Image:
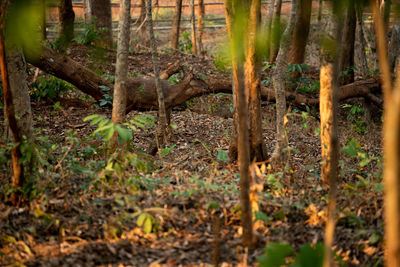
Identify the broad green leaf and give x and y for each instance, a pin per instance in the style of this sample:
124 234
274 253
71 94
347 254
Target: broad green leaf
148 225
275 255
125 134
309 256
141 219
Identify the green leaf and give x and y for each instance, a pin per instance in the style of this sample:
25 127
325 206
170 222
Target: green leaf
378 187
223 155
141 219
148 225
275 254
125 134
375 238
309 256
109 134
261 216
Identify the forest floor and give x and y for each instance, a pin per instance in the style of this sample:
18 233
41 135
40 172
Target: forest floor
82 215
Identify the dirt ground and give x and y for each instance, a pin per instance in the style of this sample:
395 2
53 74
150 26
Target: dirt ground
79 218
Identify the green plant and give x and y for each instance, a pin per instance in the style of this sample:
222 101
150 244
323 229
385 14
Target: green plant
303 84
107 98
49 87
281 254
90 34
355 115
185 42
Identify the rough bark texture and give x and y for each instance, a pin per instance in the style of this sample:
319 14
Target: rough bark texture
66 17
275 31
268 24
394 47
193 24
252 80
300 33
16 98
200 21
279 85
346 63
391 139
121 66
176 25
234 31
162 117
329 130
361 41
100 10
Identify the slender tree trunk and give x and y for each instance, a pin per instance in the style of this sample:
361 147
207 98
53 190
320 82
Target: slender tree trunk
360 32
16 98
391 148
320 7
162 117
329 130
257 148
176 25
193 22
100 11
346 63
66 17
394 47
268 24
121 66
385 11
200 12
276 31
235 30
279 85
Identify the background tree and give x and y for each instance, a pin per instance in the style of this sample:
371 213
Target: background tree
121 66
346 63
161 135
279 85
361 39
235 15
193 24
395 38
99 11
200 12
66 17
275 31
176 25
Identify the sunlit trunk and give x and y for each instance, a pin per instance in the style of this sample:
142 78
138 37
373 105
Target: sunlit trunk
193 24
176 25
200 22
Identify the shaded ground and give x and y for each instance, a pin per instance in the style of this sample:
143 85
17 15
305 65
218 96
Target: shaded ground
82 216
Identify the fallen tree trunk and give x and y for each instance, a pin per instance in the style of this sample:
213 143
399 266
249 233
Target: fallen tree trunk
141 91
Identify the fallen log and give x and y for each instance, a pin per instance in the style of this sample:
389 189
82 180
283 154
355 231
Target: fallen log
141 91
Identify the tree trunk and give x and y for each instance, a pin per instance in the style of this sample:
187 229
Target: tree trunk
391 145
394 42
16 98
346 63
300 33
361 40
200 22
176 25
268 25
235 31
275 31
100 11
142 31
329 130
252 82
320 7
121 66
278 78
162 117
193 22
385 11
66 17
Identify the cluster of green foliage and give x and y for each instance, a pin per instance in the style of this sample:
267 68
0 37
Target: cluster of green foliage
91 34
49 87
185 42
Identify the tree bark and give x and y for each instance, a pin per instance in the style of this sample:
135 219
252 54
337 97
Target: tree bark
176 25
300 33
268 25
162 117
16 98
330 52
193 24
252 83
66 17
234 9
278 78
121 66
43 33
346 63
361 40
385 11
275 31
200 12
320 7
100 11
394 42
